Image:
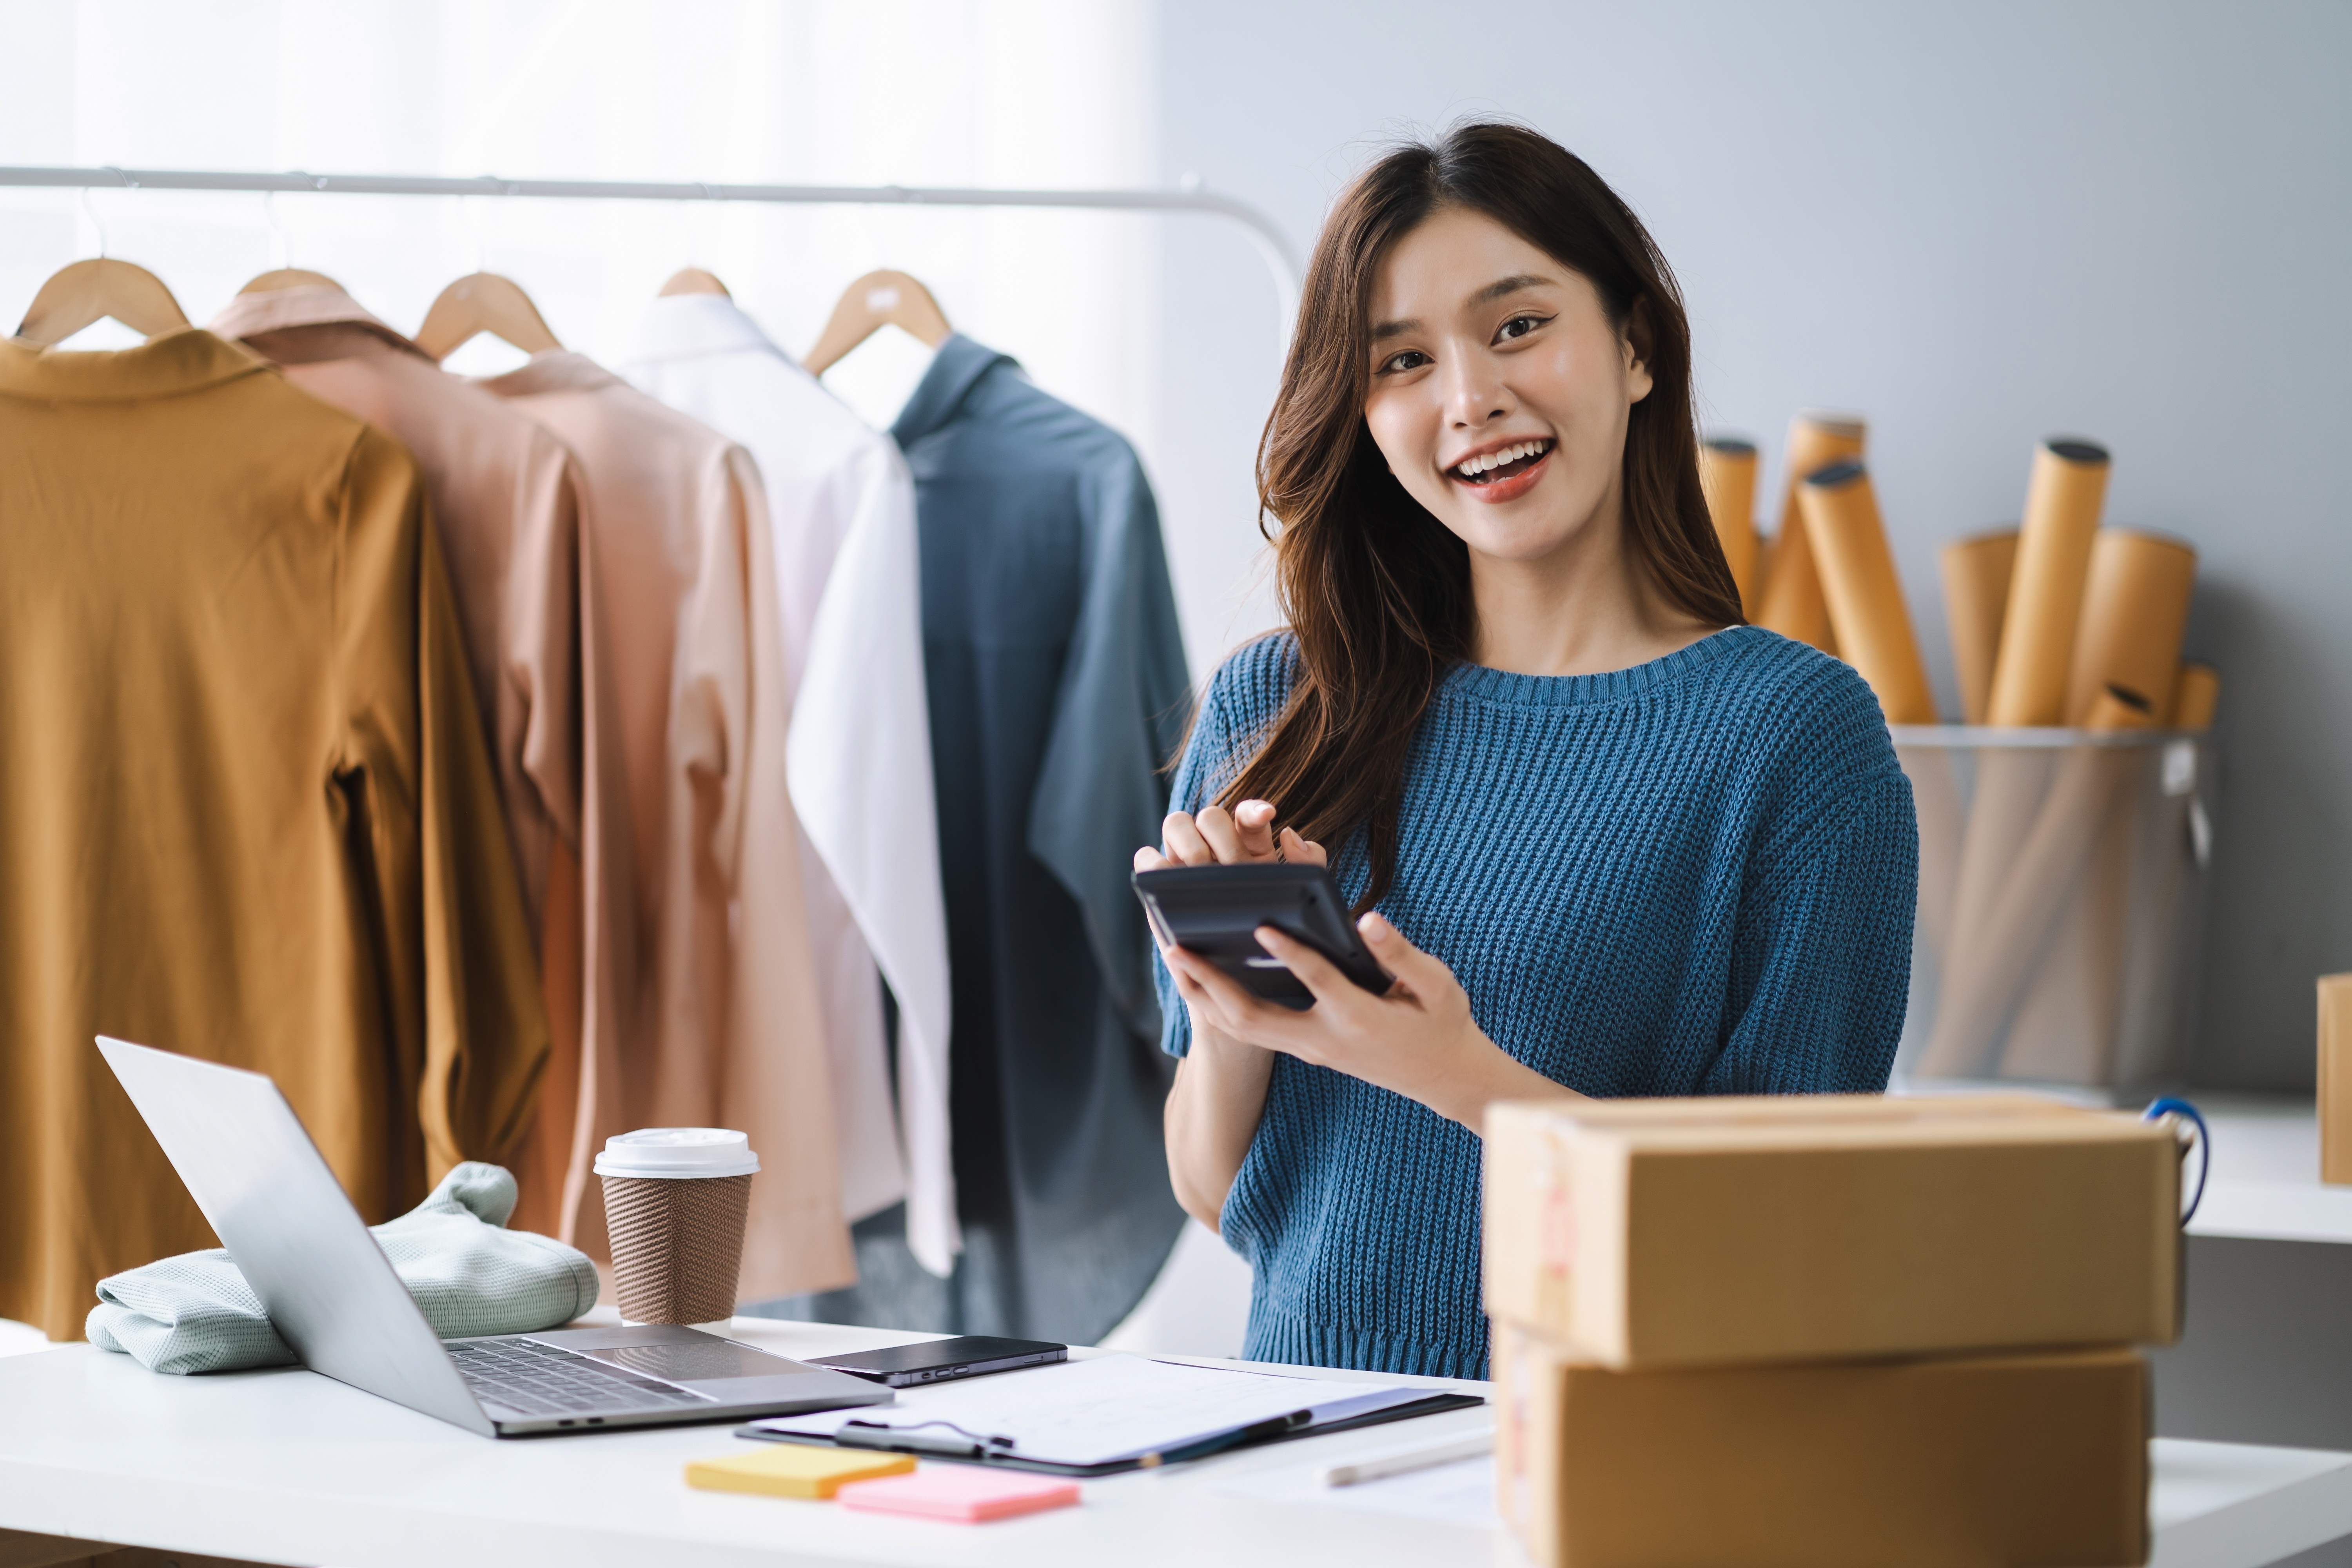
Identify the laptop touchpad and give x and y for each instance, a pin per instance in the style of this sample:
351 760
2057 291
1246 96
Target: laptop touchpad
696 1361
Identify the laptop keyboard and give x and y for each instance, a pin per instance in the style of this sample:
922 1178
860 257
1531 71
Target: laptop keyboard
538 1380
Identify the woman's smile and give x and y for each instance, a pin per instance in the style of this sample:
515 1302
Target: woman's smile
1503 470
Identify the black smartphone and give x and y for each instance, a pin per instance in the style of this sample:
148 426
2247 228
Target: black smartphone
940 1361
1216 911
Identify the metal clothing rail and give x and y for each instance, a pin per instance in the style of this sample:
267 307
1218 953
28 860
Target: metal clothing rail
1273 244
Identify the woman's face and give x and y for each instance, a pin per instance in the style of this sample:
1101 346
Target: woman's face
1500 392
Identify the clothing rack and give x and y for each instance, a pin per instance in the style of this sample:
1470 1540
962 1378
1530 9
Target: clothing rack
1273 246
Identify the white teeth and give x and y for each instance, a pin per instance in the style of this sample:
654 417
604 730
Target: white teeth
1470 467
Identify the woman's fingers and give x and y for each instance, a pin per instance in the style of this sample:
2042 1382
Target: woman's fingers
1223 833
1313 970
1253 823
1179 836
1423 974
1300 851
1224 999
1215 837
1149 859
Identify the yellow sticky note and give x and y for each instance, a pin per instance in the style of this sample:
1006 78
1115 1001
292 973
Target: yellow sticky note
795 1469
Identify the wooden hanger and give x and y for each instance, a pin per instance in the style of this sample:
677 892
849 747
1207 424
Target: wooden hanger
483 302
694 280
875 300
288 278
82 292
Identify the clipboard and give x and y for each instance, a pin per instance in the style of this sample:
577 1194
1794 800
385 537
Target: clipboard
1109 1415
1246 1438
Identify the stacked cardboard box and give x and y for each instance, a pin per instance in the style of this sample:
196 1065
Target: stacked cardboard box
1824 1330
2335 1078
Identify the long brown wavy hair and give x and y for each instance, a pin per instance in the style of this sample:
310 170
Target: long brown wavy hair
1376 590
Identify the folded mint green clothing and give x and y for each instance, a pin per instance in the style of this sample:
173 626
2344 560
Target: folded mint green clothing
470 1275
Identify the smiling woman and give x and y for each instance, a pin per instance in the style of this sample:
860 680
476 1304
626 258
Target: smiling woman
1607 839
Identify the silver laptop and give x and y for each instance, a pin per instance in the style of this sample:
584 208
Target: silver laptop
334 1299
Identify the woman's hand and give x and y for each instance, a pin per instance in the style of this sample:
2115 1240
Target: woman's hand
1241 836
1418 1039
1219 1095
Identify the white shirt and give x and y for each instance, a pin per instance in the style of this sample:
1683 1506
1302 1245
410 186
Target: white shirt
858 754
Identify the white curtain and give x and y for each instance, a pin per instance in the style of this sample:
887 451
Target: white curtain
1009 93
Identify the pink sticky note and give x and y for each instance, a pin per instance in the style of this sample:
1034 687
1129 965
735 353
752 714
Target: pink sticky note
964 1493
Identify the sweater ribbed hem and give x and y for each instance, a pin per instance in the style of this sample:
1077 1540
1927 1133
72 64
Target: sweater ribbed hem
1294 1341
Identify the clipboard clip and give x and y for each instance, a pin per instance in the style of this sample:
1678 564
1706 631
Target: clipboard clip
901 1440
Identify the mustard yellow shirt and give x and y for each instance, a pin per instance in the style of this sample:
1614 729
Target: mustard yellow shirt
245 810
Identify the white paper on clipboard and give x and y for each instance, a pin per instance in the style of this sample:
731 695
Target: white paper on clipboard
1106 1409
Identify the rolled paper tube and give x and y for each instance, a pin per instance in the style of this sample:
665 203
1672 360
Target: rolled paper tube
2063 498
2196 692
2009 785
1996 936
2135 609
2065 1030
1864 594
1976 595
1727 473
1791 600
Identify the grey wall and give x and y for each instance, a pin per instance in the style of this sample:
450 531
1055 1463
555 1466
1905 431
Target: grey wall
1977 224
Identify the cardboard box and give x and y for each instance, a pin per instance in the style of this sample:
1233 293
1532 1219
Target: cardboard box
1711 1231
2335 1078
1968 1462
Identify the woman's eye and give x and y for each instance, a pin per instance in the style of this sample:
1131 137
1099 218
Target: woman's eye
1411 359
1521 326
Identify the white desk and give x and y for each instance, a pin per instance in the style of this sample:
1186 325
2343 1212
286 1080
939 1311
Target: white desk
2267 1354
2265 1184
286 1466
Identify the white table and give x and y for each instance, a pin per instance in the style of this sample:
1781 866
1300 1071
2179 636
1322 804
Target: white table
2265 1184
288 1467
2266 1355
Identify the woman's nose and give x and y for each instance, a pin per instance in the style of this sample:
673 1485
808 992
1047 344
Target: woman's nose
1474 395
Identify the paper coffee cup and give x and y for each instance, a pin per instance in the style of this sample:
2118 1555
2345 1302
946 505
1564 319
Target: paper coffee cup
675 1198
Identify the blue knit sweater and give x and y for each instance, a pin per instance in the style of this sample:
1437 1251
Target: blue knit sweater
1693 877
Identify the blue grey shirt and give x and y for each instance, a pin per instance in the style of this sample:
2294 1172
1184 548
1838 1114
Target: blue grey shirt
1059 693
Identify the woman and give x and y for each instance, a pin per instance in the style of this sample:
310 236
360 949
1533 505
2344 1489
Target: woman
1608 839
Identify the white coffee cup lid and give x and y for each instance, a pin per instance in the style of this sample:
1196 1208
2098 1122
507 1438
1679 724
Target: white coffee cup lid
677 1152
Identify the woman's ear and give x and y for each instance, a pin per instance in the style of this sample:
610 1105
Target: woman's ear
1637 340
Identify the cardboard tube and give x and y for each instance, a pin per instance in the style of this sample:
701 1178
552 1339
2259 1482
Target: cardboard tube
1790 602
2196 692
1976 595
1998 933
1727 472
2065 1030
2009 787
2135 609
1864 594
2063 498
